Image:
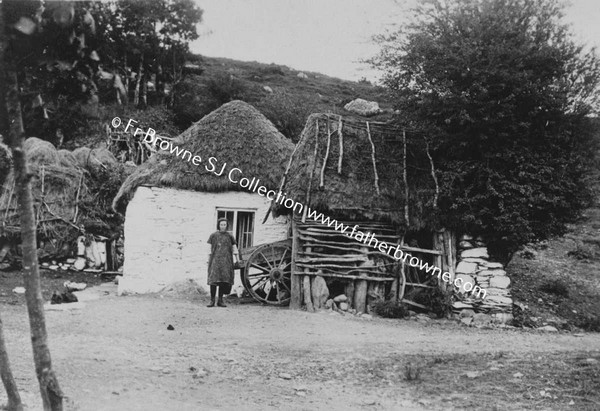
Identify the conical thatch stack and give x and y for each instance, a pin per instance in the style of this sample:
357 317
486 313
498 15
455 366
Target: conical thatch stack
236 134
354 170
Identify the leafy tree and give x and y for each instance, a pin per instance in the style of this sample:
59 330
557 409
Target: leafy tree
504 95
152 37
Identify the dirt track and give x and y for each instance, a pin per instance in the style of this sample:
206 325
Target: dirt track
117 354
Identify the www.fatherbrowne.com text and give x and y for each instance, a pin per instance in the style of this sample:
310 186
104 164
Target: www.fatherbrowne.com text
393 250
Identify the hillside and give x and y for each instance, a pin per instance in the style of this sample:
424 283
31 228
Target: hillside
283 96
557 282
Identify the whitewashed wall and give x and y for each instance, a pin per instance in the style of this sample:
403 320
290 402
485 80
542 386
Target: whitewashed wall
166 233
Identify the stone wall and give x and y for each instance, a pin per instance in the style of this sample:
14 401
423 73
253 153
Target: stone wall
474 266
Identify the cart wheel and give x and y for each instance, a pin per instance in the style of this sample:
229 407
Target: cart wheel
267 275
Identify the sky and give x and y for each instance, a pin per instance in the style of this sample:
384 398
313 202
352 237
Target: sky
326 36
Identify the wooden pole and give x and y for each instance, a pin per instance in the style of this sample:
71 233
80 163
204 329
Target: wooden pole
349 291
307 294
296 300
306 288
322 182
438 260
373 159
405 178
341 142
360 296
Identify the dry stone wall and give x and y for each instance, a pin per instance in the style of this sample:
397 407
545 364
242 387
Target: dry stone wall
474 266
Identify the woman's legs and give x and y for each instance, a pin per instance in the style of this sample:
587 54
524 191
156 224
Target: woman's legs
220 302
213 293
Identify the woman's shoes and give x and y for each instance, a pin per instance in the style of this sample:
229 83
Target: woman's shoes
212 303
220 303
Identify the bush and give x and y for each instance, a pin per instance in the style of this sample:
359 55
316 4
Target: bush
390 309
438 301
556 287
589 323
196 96
583 252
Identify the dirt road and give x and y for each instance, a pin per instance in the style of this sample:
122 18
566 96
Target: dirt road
116 353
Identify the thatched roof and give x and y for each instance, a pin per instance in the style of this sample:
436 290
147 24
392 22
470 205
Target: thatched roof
368 184
236 134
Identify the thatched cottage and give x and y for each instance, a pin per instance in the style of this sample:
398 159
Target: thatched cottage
378 180
368 174
172 204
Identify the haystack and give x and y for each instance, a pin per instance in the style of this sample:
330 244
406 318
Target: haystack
55 186
172 205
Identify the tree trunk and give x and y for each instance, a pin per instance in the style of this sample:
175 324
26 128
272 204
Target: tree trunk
12 392
126 77
144 91
136 93
49 388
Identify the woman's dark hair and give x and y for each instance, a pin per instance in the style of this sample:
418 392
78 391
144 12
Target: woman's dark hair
222 219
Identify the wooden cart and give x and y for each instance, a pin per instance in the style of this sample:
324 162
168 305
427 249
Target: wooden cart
266 272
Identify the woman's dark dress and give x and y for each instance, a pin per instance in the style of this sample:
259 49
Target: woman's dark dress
220 266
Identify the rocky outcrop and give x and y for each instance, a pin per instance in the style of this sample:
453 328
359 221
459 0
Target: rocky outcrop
363 107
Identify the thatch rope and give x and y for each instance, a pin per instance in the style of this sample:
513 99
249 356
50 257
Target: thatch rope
373 159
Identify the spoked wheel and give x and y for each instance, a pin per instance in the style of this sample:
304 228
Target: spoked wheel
267 275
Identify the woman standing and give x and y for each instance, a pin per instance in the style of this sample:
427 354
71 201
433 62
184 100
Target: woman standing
220 262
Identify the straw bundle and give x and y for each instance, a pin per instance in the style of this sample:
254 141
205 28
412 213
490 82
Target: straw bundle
67 159
93 159
40 151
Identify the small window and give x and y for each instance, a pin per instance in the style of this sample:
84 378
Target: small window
240 224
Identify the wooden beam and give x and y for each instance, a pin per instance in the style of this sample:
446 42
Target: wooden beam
360 296
350 277
307 294
296 280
